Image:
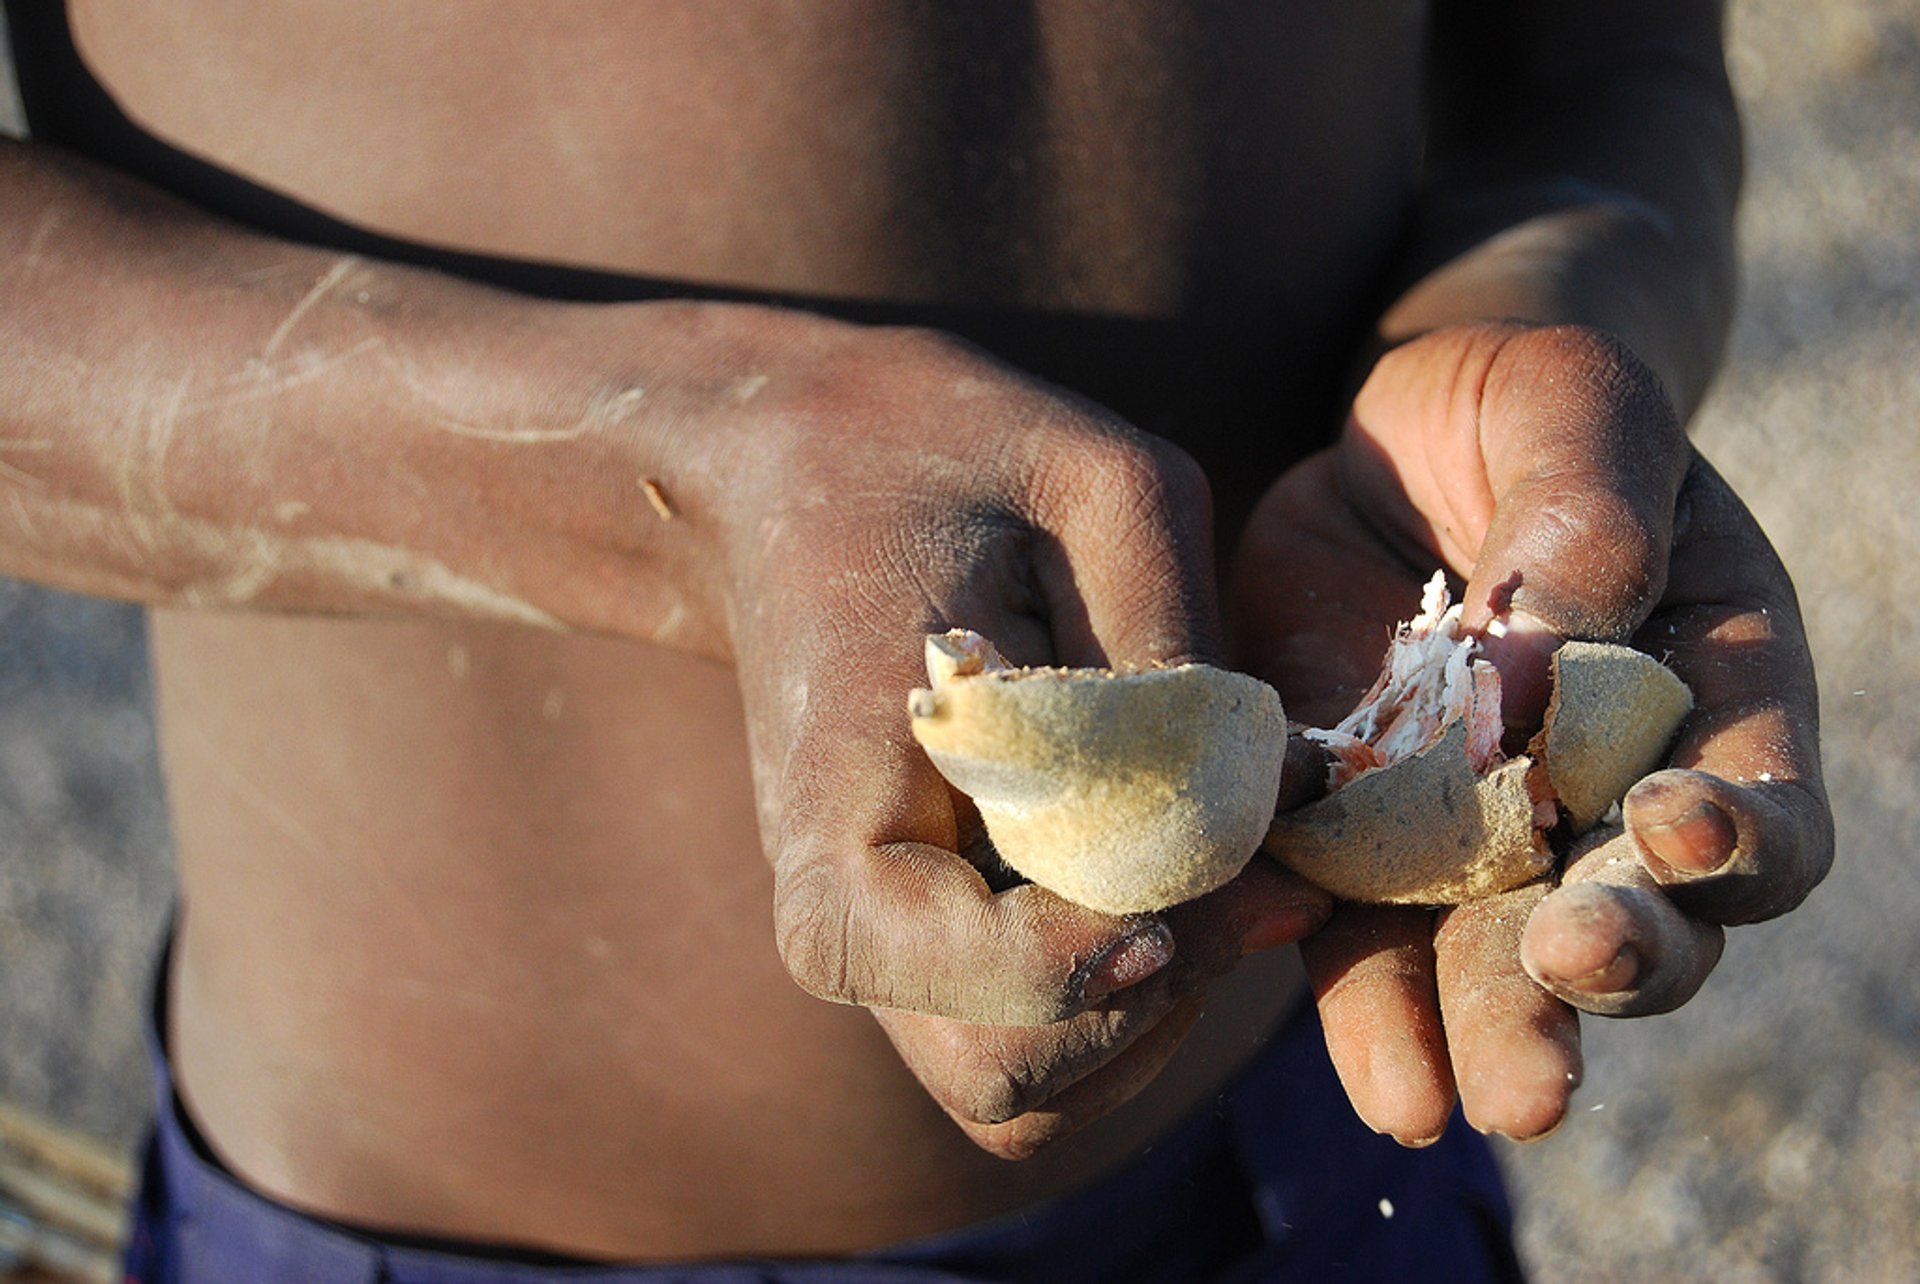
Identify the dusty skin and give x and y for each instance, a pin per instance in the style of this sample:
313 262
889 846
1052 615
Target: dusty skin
1794 1162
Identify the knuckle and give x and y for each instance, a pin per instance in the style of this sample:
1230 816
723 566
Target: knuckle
814 930
1598 562
1136 474
1606 370
1141 495
1004 1074
1183 480
993 1095
1017 1139
986 1079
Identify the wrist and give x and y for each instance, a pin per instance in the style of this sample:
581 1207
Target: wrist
1571 252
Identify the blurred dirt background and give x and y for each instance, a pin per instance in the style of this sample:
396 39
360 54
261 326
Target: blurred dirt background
1770 1131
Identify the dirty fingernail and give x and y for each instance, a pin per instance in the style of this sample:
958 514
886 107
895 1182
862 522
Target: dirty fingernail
1521 646
1128 961
1691 843
1618 974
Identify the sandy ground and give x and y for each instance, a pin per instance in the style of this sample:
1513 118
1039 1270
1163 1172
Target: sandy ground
1769 1131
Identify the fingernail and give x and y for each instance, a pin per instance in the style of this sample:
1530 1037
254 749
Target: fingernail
1616 976
1521 645
1417 1143
1517 627
1692 843
1128 961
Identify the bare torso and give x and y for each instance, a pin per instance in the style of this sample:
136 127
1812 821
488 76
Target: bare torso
477 937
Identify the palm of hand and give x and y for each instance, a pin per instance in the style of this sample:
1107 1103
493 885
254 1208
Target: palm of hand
1541 468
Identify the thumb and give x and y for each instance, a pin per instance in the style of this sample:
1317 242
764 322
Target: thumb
1127 569
1584 459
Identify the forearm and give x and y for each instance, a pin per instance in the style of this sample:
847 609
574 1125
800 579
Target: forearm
192 414
1583 176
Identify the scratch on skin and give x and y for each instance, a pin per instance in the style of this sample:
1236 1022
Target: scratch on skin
671 625
259 566
749 388
265 380
462 998
49 223
363 874
20 514
270 272
391 572
253 795
142 475
63 364
604 412
328 280
250 560
380 571
19 475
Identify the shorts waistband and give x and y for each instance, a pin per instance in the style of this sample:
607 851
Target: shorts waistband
1276 1180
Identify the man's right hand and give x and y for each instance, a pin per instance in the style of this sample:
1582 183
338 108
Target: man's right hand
896 483
196 415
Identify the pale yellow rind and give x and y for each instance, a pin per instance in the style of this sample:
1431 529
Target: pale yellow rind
1613 712
1121 792
1425 831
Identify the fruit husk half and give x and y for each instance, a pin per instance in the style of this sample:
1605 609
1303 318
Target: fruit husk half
1121 791
1429 830
1611 715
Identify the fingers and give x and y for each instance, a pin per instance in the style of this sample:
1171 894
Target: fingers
1610 942
1094 1096
1731 853
1014 1090
1741 829
872 903
1129 573
1515 1048
873 906
1266 906
989 1074
1584 458
1314 594
904 925
1548 477
1303 773
1372 973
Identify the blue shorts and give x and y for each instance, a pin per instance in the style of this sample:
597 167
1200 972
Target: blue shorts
1278 1180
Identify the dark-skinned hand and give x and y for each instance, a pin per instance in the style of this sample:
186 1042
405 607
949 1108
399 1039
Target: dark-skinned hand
908 485
1545 469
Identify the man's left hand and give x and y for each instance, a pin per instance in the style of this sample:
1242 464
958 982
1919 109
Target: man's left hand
1545 468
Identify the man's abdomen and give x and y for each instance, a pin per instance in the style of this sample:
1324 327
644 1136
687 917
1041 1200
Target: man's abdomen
478 941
